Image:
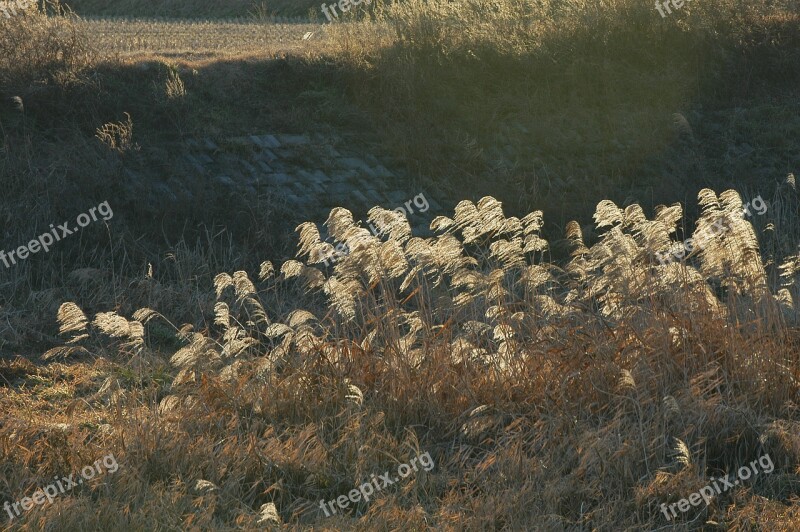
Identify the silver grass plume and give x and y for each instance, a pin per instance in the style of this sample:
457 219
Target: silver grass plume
200 352
391 223
71 319
266 271
338 222
607 214
116 326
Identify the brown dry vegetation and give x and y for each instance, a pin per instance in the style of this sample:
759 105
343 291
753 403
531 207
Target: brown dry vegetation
556 389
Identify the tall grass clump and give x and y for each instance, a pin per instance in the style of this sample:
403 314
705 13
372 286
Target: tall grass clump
36 48
583 394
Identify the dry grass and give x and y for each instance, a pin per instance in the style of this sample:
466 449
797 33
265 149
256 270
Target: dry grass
551 394
39 49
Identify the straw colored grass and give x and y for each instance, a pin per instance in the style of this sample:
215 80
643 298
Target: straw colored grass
574 397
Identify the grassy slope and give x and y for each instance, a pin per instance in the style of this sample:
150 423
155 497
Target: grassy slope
599 119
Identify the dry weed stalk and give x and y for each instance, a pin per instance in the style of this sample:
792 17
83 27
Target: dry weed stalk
117 136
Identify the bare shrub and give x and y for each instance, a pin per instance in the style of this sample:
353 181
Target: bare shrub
117 136
41 45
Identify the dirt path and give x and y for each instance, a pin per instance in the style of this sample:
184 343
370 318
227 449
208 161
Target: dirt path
190 38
